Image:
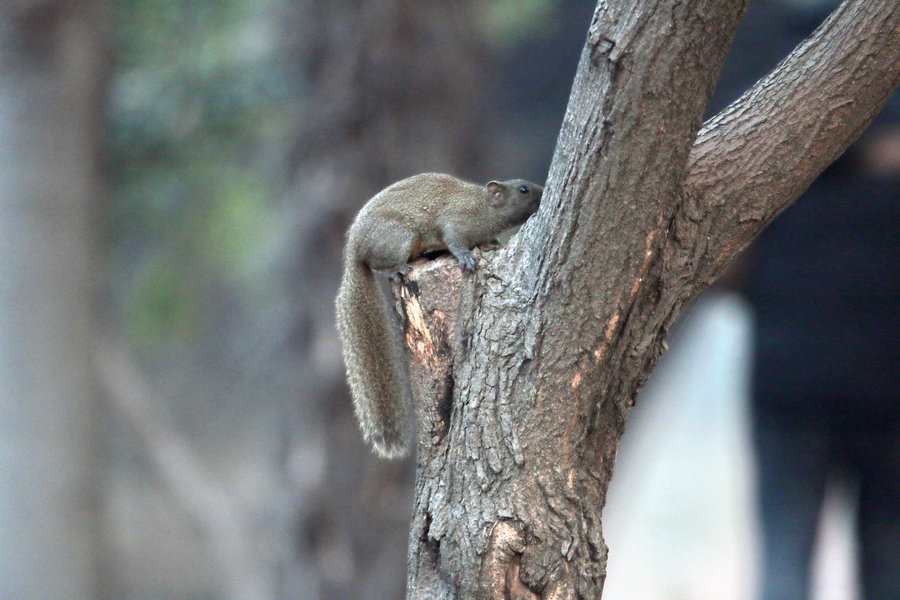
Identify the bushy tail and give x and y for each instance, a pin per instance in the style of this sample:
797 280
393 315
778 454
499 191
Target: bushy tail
372 356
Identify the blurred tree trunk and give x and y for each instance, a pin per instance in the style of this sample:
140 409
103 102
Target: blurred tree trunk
52 65
525 370
392 88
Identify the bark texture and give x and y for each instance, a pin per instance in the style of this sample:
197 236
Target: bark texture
755 158
524 371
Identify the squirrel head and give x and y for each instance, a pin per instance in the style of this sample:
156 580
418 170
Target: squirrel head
515 199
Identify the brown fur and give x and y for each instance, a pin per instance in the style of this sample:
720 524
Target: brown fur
425 212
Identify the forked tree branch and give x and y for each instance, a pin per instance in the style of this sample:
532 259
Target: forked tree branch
753 159
513 463
522 407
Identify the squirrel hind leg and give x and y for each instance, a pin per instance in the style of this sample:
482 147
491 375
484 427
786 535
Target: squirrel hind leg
388 247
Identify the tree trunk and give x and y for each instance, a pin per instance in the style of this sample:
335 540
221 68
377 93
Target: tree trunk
525 370
51 69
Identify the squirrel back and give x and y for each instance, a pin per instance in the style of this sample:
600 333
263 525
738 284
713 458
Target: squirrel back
425 212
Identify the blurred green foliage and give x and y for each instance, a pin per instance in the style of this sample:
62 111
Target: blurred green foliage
202 111
198 93
506 23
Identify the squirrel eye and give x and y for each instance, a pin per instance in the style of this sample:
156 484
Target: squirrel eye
523 189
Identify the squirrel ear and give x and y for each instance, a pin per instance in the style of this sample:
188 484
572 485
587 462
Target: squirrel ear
495 191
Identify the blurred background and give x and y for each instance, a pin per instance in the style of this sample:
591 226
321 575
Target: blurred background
176 178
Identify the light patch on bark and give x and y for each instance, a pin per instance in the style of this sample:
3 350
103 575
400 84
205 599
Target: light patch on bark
500 569
418 336
607 337
576 381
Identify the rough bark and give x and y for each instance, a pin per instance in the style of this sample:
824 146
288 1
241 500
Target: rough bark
755 158
524 371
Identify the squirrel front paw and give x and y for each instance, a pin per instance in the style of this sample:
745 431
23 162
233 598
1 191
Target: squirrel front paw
400 271
466 261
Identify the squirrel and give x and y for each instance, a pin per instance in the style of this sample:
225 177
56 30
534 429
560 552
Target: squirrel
414 216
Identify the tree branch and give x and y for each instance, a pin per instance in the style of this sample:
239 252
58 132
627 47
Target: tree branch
752 160
219 513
